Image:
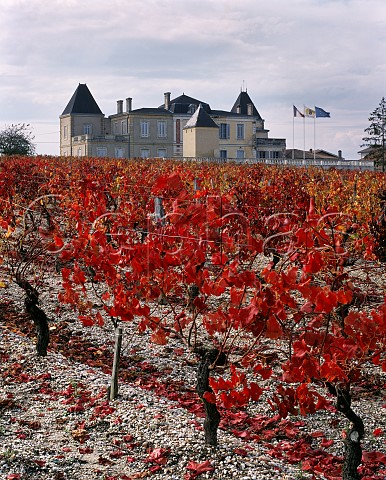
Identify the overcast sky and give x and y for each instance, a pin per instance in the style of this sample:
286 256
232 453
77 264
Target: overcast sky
328 53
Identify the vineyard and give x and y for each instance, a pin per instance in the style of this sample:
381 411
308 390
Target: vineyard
249 297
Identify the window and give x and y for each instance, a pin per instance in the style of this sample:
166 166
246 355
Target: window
116 128
161 152
87 129
124 127
79 151
240 153
119 152
262 154
161 129
144 128
275 154
178 130
65 132
240 131
101 152
145 153
224 130
223 154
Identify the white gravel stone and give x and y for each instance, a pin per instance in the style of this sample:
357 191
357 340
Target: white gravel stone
38 433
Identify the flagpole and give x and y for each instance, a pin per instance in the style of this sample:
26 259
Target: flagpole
314 135
293 136
304 134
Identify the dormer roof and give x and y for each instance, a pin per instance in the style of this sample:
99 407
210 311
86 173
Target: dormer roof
82 102
241 105
201 119
185 104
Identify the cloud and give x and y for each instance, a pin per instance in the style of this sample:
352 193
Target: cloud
323 52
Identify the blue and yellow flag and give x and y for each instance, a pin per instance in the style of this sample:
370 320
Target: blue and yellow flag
319 112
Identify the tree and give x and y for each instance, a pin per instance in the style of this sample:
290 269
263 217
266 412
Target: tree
332 335
29 221
16 139
376 134
199 249
378 228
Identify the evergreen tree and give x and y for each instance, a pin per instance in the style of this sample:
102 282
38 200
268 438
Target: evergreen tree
376 133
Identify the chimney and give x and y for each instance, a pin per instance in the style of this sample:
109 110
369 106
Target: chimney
250 109
119 106
129 104
340 154
167 100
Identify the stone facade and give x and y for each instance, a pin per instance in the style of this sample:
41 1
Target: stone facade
159 131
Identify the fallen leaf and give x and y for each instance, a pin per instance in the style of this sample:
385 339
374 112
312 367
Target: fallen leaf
85 450
240 451
116 454
198 468
158 455
80 435
144 474
326 443
374 457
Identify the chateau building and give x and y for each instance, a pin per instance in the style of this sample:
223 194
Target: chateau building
160 131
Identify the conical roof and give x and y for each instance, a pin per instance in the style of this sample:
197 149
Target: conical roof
242 101
82 101
200 119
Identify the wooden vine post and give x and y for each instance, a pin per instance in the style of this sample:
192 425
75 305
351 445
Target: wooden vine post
114 375
159 212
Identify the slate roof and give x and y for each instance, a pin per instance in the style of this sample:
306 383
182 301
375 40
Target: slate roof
309 154
243 100
185 104
82 101
151 111
224 113
201 118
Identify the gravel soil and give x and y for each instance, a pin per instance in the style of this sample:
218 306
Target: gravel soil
56 421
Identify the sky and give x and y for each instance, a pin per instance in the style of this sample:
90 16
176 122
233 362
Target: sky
325 53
